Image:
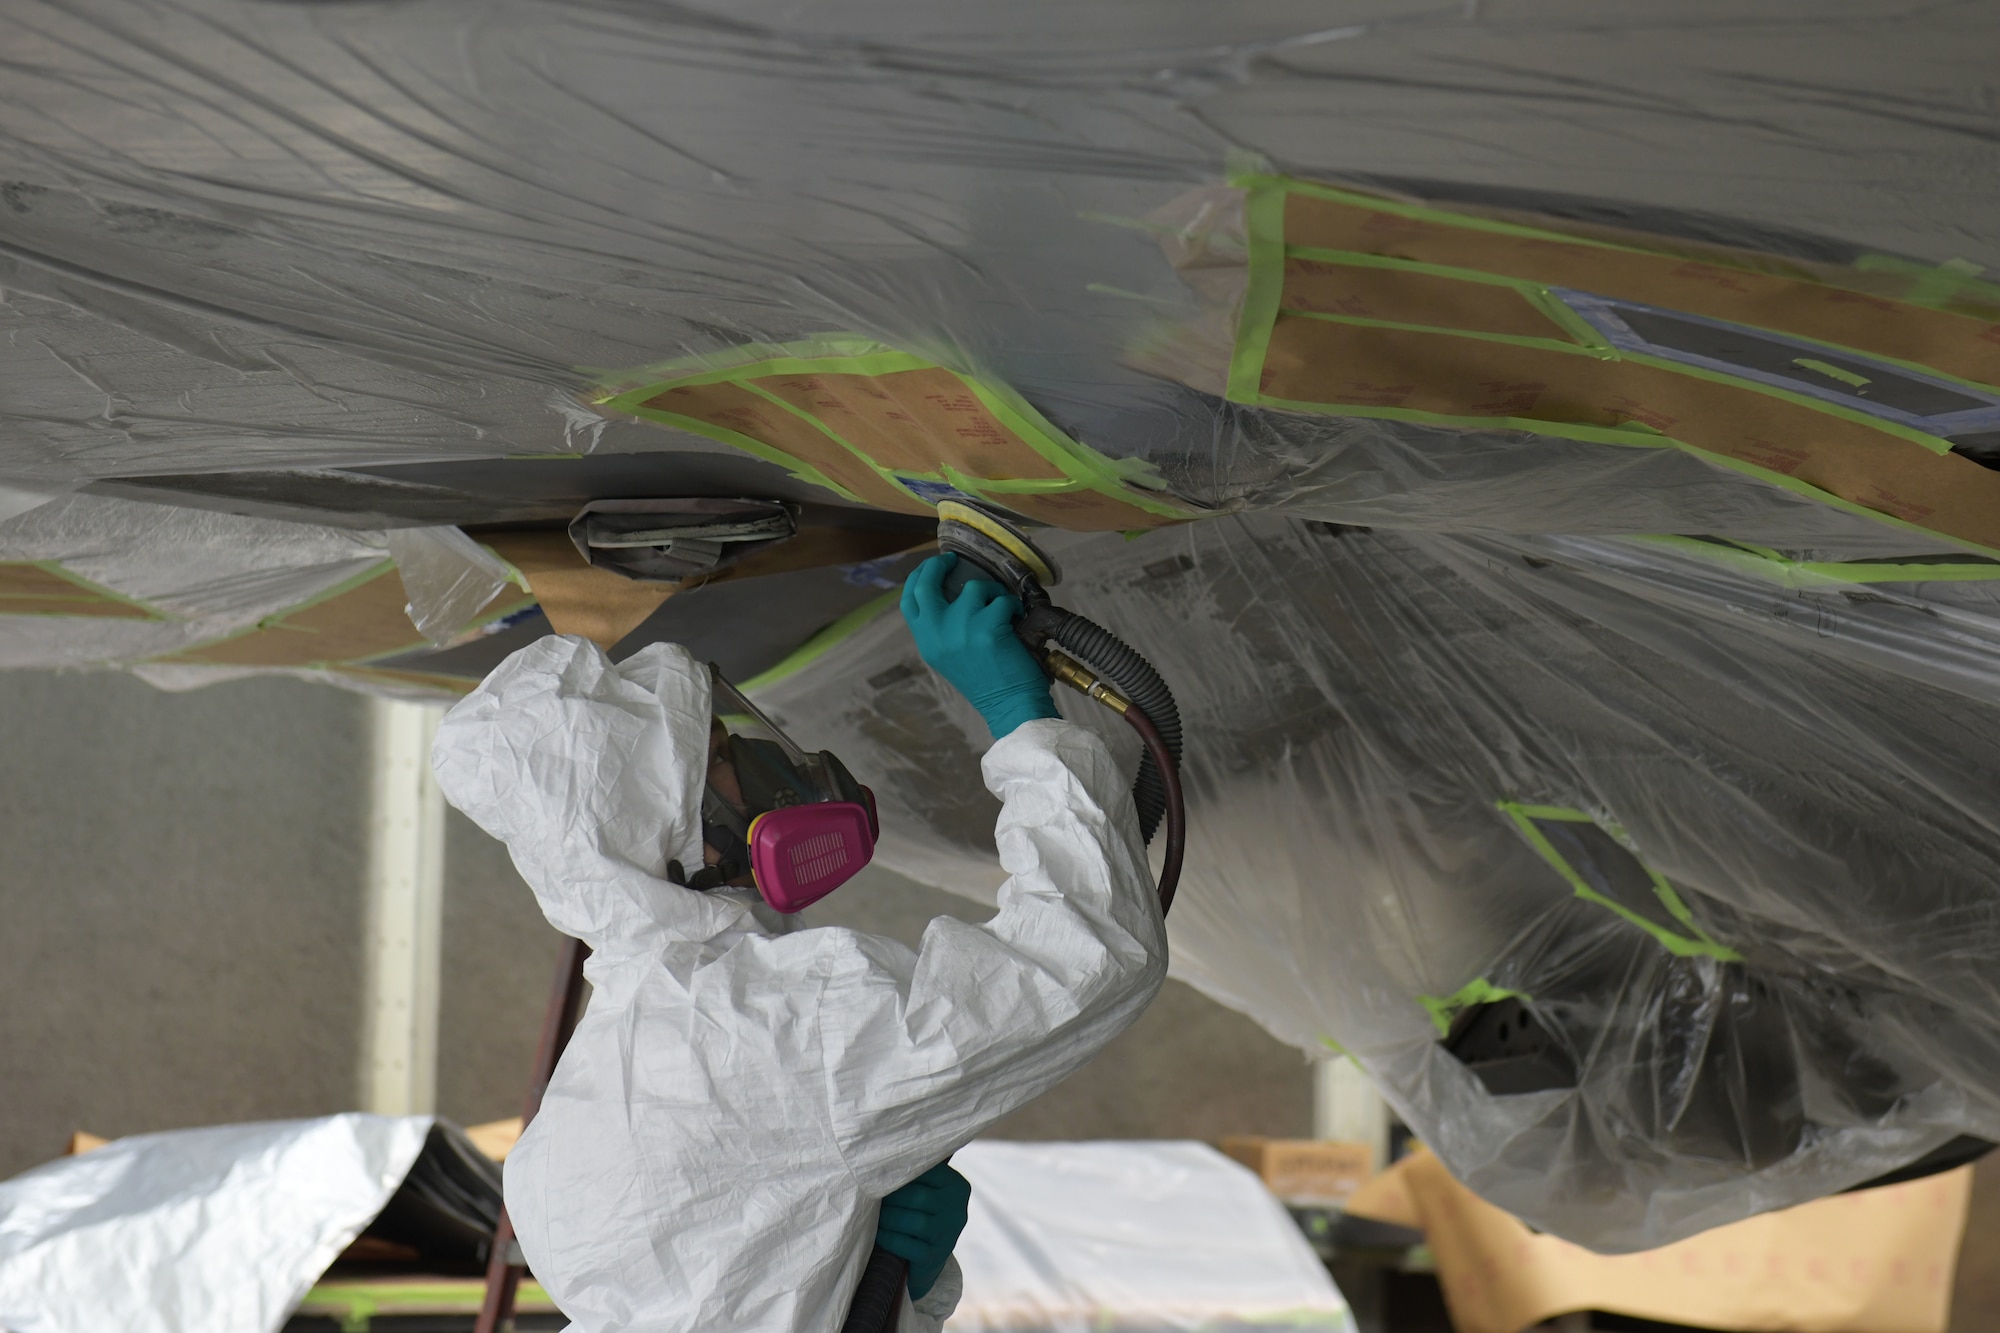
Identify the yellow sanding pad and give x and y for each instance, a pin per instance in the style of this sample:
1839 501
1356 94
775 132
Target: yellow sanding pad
1012 542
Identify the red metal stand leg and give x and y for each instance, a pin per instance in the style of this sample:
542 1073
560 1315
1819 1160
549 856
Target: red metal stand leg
503 1279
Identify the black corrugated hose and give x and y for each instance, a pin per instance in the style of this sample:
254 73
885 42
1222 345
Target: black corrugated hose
1156 790
1134 677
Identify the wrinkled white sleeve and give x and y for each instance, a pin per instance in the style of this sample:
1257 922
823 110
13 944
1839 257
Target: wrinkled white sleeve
923 1053
928 1315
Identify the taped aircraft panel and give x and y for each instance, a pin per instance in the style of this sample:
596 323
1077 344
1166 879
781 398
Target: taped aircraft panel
1549 448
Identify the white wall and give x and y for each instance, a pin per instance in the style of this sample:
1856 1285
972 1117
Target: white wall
180 905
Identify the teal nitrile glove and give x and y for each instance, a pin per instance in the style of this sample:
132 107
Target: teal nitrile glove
921 1223
971 643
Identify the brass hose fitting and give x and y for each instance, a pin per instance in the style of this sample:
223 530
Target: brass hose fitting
1084 681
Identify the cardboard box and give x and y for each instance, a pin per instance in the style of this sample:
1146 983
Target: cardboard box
1306 1171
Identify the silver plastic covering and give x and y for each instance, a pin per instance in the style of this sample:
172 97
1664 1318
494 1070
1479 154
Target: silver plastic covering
218 1230
245 236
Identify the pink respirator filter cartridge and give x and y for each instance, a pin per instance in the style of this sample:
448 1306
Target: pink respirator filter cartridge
803 852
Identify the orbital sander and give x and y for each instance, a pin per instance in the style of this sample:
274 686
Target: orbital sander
1082 655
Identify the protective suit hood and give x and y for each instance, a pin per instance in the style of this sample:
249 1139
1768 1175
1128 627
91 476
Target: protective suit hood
615 792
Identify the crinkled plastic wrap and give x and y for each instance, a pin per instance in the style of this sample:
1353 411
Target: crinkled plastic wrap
449 578
163 578
98 581
1392 736
1681 753
1138 1237
267 236
218 1230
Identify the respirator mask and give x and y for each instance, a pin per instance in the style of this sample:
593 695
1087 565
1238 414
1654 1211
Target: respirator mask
802 827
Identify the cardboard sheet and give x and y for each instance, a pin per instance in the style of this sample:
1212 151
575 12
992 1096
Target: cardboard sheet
1811 306
496 1138
398 682
1383 308
1320 1172
896 431
1877 1261
362 618
44 589
578 599
1472 382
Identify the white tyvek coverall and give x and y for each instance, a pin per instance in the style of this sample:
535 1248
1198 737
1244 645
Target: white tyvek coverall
737 1098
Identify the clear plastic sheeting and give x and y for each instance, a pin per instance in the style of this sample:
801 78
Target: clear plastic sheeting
1744 881
449 578
1503 699
1934 618
98 581
219 1230
271 236
1131 1238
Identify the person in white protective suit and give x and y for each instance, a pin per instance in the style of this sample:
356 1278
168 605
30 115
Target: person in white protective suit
740 1095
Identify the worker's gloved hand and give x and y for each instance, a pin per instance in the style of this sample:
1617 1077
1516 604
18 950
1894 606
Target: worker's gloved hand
970 641
921 1222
